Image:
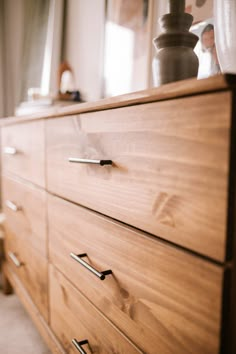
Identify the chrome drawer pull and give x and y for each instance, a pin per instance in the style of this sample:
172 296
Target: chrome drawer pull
96 162
100 275
78 345
12 205
14 259
9 150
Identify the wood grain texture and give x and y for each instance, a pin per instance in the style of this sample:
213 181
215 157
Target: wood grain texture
163 299
29 222
33 311
33 273
72 316
170 167
28 162
165 92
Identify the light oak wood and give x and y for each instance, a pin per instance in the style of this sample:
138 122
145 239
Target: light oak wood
28 161
32 272
170 167
72 316
29 222
165 92
33 311
163 299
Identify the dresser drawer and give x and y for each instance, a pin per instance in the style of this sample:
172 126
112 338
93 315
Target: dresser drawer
165 300
23 151
169 173
31 268
73 317
24 206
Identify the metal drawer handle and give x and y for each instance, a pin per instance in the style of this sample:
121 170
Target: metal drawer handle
96 162
78 345
12 205
9 150
100 275
14 259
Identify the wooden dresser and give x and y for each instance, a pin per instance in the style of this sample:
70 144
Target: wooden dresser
120 220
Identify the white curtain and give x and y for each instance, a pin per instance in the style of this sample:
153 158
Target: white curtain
11 23
36 14
23 29
2 98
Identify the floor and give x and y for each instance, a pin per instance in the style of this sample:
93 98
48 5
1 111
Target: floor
17 332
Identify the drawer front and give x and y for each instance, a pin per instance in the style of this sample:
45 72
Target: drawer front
73 317
32 270
163 299
169 172
24 206
23 151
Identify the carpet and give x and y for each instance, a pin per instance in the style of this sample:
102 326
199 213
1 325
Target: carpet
18 334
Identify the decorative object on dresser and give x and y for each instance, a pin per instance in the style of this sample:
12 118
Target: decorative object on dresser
175 59
120 229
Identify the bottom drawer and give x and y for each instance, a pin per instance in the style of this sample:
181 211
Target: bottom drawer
73 317
31 269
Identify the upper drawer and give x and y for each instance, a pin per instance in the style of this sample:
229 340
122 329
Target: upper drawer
25 208
169 173
23 151
164 299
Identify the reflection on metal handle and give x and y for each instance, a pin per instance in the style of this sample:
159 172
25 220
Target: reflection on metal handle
96 162
78 345
12 205
9 150
14 259
100 275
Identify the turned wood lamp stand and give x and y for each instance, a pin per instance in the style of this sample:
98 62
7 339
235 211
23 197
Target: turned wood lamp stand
175 59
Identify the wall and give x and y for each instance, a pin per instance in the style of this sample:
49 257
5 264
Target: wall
83 47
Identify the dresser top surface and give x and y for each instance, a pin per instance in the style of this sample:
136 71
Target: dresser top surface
165 92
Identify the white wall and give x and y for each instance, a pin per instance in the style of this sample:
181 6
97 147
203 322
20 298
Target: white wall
84 45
